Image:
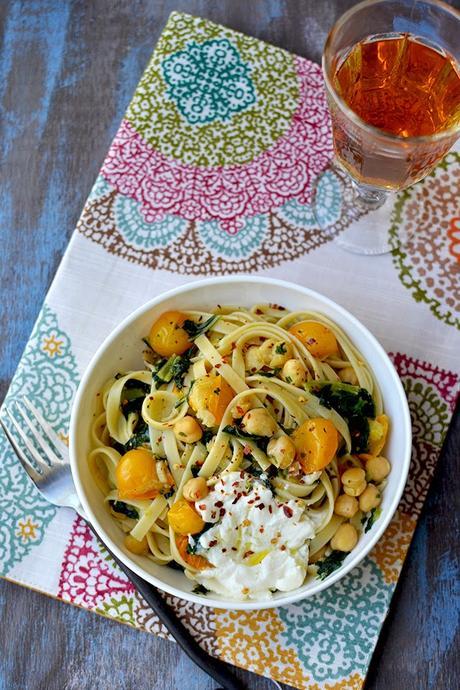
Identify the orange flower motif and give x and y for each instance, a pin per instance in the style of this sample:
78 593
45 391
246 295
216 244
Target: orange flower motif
52 346
453 234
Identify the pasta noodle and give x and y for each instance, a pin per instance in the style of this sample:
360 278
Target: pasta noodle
247 451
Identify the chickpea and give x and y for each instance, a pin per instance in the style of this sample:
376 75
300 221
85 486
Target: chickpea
281 451
275 353
140 548
293 372
355 490
354 481
195 489
346 506
259 422
348 375
377 468
241 407
188 430
252 359
345 539
370 498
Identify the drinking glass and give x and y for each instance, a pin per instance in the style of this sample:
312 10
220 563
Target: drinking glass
378 162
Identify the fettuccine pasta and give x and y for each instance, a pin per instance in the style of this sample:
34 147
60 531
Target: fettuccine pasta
247 451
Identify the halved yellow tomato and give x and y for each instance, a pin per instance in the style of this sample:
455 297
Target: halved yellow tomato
184 519
194 561
317 338
211 394
137 477
378 431
316 442
167 337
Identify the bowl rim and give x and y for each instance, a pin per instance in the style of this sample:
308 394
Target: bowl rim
229 604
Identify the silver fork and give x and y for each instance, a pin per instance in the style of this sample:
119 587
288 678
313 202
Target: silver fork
52 476
46 461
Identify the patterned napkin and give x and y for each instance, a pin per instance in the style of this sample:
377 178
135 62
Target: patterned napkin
222 165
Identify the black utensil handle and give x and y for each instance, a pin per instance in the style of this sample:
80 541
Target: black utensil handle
219 670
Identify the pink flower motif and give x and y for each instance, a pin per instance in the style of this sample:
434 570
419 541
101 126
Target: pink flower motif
86 577
228 193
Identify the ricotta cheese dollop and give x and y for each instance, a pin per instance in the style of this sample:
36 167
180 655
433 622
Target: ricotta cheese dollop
257 543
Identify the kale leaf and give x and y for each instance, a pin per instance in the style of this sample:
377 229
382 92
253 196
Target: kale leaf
352 403
124 509
256 471
138 439
194 328
174 369
132 396
330 563
196 537
261 441
368 520
200 589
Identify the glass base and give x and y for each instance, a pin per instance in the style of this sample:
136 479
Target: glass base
369 235
366 218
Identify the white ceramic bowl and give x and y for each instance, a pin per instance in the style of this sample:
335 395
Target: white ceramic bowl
121 351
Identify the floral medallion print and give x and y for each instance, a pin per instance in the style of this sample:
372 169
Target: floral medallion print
221 108
253 642
334 632
431 394
257 242
88 574
391 550
208 81
48 375
226 193
427 264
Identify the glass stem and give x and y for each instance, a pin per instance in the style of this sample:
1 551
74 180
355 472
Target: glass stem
370 196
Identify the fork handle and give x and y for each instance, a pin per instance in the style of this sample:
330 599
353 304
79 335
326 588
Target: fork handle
219 670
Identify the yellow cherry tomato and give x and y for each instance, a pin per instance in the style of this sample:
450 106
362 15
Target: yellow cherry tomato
378 431
136 475
167 337
211 394
184 519
318 339
140 548
194 561
316 442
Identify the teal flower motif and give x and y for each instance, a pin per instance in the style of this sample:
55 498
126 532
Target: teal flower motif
334 632
48 375
208 81
238 246
138 232
100 188
324 211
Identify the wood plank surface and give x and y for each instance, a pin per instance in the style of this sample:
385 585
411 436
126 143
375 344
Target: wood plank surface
68 69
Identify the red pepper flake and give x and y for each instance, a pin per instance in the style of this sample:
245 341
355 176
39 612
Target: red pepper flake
224 550
234 548
246 451
222 512
237 498
282 547
261 529
247 554
212 543
235 483
202 506
259 312
261 506
213 515
288 511
219 504
270 510
218 366
241 475
252 500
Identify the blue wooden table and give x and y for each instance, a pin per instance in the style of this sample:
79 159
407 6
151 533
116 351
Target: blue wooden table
68 70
